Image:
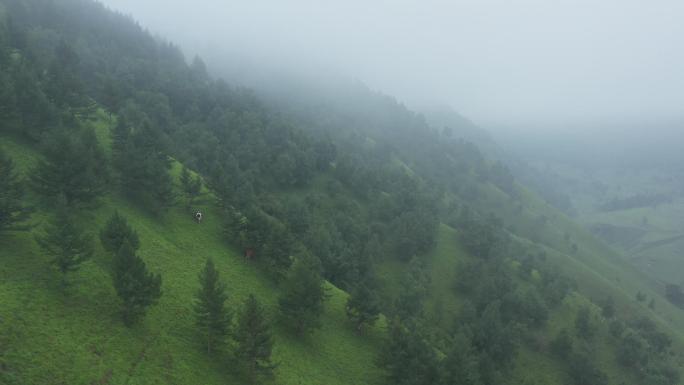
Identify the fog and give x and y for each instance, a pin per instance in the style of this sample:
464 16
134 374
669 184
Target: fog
503 63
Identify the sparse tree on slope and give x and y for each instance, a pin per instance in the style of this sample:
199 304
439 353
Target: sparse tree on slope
68 246
213 318
362 306
254 341
303 294
75 168
116 232
137 288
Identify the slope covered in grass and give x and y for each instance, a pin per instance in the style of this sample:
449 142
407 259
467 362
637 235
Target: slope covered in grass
75 335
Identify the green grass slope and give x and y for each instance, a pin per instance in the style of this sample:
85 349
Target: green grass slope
52 336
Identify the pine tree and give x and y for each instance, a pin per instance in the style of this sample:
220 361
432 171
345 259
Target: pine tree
303 294
409 303
213 318
75 168
192 186
583 324
461 365
137 288
12 211
36 114
143 167
254 341
68 246
116 232
362 306
64 86
407 358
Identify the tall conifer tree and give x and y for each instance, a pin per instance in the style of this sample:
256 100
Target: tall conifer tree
68 246
303 294
213 318
254 341
137 288
116 232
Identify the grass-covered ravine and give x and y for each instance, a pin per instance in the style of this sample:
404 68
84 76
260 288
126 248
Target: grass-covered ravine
353 243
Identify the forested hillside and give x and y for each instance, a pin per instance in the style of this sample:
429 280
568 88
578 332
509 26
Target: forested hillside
342 241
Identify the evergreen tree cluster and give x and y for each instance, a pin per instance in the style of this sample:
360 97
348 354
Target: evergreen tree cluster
250 334
137 288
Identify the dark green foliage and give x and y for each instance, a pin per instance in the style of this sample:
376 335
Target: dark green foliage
232 186
616 328
658 341
555 286
340 243
414 233
298 217
12 210
583 324
674 294
363 307
631 351
409 303
277 250
643 349
640 297
64 87
191 186
482 238
461 366
260 237
583 371
561 345
485 282
137 288
65 243
501 177
407 358
213 318
608 308
25 105
494 338
525 307
254 342
74 168
660 373
142 167
116 232
302 295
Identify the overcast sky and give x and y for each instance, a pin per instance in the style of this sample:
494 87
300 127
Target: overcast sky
516 62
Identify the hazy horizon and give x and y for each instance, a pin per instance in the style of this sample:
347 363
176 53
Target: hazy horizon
499 63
